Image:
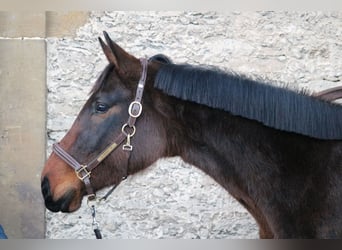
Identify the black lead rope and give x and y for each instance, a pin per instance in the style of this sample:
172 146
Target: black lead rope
95 224
103 198
98 234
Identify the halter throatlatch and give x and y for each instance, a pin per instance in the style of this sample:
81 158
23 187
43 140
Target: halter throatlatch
83 171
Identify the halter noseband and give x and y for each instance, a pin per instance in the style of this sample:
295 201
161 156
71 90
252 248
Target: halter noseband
83 171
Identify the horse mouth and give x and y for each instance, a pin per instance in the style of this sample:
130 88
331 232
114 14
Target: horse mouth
62 204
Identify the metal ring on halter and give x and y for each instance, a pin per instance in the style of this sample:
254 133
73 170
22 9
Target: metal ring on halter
92 200
127 133
130 109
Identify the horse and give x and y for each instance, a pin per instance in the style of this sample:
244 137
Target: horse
277 151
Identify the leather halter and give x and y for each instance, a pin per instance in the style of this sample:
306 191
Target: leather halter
83 171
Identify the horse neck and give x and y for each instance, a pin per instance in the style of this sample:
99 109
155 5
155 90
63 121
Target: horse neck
225 147
231 149
256 164
214 141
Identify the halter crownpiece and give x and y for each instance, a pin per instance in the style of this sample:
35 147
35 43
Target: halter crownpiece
83 171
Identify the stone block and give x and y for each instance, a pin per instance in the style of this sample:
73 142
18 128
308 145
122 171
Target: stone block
22 136
22 24
61 24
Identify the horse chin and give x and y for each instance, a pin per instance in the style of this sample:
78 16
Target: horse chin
71 202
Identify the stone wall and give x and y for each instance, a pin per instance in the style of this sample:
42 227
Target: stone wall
23 114
22 123
172 199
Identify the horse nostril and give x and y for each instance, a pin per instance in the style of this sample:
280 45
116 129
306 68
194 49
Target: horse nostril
45 187
47 195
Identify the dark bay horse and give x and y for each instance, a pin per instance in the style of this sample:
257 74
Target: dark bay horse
276 151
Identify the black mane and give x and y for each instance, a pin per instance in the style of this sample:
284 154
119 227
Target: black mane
275 107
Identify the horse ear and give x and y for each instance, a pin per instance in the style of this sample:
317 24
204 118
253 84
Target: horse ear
108 53
123 62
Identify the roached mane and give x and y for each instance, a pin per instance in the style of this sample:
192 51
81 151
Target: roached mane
275 107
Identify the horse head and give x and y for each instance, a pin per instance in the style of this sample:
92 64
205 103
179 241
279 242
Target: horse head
99 122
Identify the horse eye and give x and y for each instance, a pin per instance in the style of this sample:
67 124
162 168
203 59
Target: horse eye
101 107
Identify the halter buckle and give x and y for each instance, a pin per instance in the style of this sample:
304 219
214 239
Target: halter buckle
82 170
132 111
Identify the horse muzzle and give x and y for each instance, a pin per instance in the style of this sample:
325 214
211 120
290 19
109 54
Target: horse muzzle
62 204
